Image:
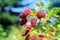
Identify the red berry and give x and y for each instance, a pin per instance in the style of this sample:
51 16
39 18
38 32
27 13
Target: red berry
23 21
21 15
41 38
25 32
27 37
33 37
42 35
40 14
26 12
33 21
29 27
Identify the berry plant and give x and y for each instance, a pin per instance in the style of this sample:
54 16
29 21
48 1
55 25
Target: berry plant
45 29
35 24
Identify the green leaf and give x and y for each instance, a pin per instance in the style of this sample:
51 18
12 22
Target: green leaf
52 12
1 29
41 3
4 34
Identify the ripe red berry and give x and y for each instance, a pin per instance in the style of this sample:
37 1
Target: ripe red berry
25 13
23 21
25 32
33 21
41 38
42 35
21 15
40 14
29 27
33 37
27 37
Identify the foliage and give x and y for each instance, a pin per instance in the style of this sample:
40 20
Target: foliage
7 2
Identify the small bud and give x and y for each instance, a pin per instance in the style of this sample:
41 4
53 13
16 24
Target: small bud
38 3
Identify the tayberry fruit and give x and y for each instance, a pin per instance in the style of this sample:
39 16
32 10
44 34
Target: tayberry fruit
21 15
29 27
25 13
27 37
42 34
40 14
33 21
23 21
25 32
33 37
41 38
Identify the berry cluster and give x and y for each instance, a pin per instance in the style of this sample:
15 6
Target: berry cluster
27 12
23 16
43 29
